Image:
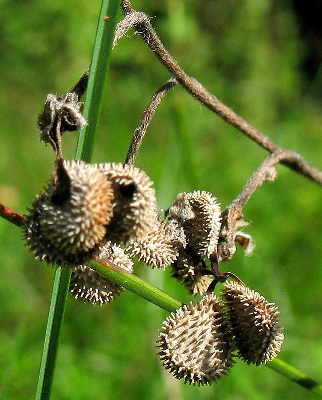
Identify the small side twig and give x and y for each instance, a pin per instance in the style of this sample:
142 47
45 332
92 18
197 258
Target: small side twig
266 172
12 216
232 216
146 119
142 25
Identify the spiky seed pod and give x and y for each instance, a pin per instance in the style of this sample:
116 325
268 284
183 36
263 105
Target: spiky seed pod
181 208
67 223
200 216
134 205
255 323
176 234
89 286
155 248
195 344
116 254
187 269
66 109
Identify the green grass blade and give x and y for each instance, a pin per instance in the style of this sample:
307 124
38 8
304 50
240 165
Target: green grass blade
99 65
54 323
98 72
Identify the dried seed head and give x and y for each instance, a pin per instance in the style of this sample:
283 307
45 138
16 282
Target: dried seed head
89 286
255 323
155 248
134 205
176 234
194 342
200 216
116 254
181 209
67 223
187 269
65 111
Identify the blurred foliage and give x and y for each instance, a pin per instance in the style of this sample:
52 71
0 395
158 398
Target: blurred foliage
249 54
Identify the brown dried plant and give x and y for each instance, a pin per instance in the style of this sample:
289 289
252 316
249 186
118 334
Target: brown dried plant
109 212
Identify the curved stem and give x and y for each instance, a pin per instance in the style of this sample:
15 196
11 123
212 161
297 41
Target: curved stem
148 114
141 22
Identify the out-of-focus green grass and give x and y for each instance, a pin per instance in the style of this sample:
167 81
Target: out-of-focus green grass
249 56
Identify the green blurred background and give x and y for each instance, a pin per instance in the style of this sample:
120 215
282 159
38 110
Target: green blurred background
259 58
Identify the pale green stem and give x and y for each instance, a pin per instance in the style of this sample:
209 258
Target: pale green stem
163 300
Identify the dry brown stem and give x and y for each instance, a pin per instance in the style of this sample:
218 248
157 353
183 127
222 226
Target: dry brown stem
232 216
141 23
12 216
146 119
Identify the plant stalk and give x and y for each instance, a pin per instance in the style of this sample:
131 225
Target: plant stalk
98 71
163 300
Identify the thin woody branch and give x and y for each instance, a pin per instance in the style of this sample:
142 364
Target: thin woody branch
232 216
12 216
142 25
146 119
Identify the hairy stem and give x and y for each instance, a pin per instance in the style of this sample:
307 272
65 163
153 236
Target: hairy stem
146 119
142 25
234 212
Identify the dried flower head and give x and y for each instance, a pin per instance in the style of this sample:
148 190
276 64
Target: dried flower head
89 286
63 113
195 344
255 323
188 269
200 215
181 208
176 234
156 248
134 204
67 223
